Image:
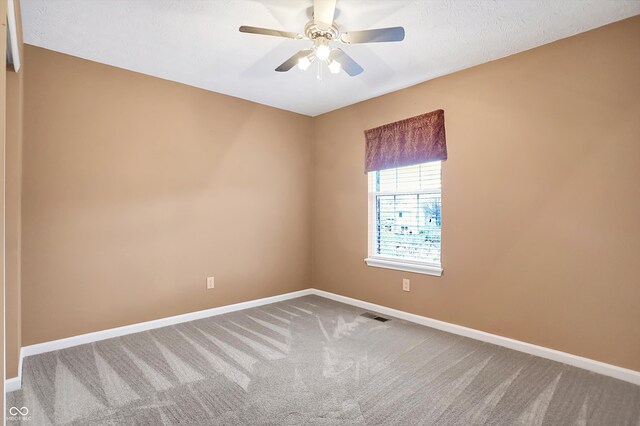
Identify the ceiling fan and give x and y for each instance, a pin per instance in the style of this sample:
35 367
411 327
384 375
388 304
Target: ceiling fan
322 31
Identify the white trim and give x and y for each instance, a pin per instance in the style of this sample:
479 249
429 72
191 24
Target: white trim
54 345
150 325
388 262
12 384
15 383
614 371
620 373
418 268
13 50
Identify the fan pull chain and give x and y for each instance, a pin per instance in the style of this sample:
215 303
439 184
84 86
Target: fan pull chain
319 75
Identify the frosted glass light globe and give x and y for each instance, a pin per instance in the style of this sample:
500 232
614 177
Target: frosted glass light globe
334 67
322 52
303 63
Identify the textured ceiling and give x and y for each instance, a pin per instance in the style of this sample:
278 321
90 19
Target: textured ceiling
197 42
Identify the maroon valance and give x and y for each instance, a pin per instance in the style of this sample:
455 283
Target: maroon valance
407 142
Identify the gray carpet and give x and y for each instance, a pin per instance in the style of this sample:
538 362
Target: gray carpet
311 361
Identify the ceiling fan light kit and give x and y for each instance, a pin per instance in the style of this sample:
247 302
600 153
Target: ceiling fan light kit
322 31
322 51
305 62
334 66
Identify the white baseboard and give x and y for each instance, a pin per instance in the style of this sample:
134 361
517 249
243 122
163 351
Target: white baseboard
12 384
552 354
614 371
54 345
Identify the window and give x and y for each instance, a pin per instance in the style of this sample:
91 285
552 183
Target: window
405 218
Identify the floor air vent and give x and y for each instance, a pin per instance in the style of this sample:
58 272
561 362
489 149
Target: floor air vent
374 316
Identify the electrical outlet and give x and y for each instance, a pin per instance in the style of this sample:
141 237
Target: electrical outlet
210 283
406 284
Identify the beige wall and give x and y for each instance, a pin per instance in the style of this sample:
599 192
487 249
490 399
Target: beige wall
135 189
13 187
541 197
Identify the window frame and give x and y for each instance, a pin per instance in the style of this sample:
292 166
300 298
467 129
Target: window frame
389 262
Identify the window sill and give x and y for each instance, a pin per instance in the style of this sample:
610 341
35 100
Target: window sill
417 268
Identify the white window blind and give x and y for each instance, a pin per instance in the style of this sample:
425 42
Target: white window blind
405 218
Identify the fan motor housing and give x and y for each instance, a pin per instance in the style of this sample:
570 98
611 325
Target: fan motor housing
314 31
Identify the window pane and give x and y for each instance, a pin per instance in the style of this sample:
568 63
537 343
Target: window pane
411 178
409 226
407 222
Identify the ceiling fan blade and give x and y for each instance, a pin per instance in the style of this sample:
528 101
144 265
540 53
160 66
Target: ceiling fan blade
293 61
374 36
269 32
349 66
323 11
